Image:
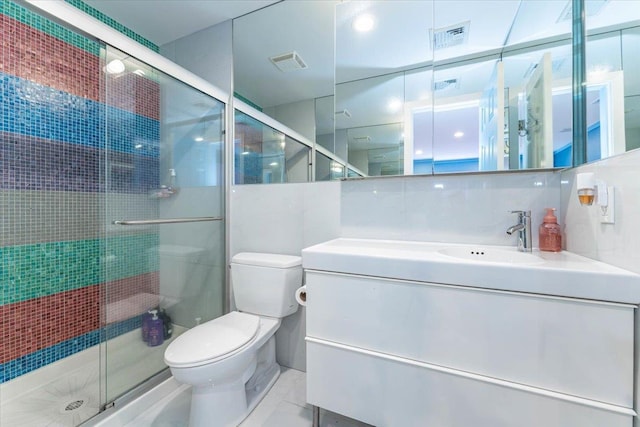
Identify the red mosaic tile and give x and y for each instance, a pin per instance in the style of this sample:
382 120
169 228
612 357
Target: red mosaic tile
33 55
42 322
39 57
39 323
134 93
129 297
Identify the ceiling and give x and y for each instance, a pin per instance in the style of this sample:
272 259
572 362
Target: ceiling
164 21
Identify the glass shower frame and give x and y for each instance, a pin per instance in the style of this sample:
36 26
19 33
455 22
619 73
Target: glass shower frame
164 217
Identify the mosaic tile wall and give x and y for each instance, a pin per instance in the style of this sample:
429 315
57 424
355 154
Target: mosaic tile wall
68 280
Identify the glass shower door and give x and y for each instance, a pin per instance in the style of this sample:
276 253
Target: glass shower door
164 246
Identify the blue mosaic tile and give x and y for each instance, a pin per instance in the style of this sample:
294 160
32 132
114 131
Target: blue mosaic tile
28 108
40 358
116 329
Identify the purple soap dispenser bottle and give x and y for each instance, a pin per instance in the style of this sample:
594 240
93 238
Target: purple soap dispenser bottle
156 330
146 317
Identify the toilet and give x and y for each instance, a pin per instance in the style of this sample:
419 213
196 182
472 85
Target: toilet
230 361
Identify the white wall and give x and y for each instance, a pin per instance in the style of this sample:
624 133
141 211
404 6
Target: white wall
449 208
206 53
285 218
360 159
299 116
616 244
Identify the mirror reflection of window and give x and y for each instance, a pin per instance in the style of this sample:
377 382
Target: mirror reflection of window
263 155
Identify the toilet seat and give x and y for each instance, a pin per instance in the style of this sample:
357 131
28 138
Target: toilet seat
213 340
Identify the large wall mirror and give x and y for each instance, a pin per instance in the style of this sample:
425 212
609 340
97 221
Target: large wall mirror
421 87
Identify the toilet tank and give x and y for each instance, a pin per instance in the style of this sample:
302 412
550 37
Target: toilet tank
265 284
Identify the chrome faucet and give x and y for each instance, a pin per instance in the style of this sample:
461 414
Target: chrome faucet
523 227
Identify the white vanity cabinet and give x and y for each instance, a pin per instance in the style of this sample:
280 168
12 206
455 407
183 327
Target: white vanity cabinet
397 352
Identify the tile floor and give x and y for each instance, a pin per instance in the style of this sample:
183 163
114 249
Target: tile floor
284 406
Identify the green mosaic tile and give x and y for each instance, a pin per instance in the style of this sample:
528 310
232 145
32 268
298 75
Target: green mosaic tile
51 28
37 270
247 101
128 256
112 23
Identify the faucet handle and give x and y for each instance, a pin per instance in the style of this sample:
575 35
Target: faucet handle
522 213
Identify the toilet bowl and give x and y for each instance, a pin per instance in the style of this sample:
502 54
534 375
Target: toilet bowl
230 361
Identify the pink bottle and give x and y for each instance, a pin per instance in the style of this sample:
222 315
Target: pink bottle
550 236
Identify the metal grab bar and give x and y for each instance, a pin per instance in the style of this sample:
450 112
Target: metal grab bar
166 220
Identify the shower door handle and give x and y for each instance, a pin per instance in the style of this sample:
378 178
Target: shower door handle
165 220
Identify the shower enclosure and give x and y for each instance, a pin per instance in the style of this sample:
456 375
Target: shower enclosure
112 204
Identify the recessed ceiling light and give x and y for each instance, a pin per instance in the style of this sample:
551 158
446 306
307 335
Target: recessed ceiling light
115 67
394 105
459 134
364 23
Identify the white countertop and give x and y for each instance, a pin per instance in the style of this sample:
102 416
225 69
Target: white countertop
559 274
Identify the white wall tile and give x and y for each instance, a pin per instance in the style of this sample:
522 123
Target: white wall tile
448 208
285 218
617 244
373 208
321 214
267 218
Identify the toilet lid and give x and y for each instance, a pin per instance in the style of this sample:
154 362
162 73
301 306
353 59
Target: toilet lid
212 339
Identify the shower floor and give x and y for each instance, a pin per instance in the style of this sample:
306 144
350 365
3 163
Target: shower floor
285 405
69 391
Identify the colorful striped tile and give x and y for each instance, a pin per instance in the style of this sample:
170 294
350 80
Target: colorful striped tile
38 57
31 109
43 322
32 163
38 270
40 358
134 93
49 27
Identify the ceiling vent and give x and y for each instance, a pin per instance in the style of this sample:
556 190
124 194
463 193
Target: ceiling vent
453 35
446 84
365 138
591 8
288 62
556 66
343 113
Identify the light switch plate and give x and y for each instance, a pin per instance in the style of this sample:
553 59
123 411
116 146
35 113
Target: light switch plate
607 214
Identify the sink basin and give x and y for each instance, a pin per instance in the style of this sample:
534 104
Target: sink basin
481 254
474 265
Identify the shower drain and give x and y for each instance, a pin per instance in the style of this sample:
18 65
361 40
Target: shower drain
74 405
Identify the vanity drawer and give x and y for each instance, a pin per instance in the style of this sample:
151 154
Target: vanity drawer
387 392
578 347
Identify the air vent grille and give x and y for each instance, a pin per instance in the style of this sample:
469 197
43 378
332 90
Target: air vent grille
556 66
453 35
362 138
343 113
288 62
446 84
